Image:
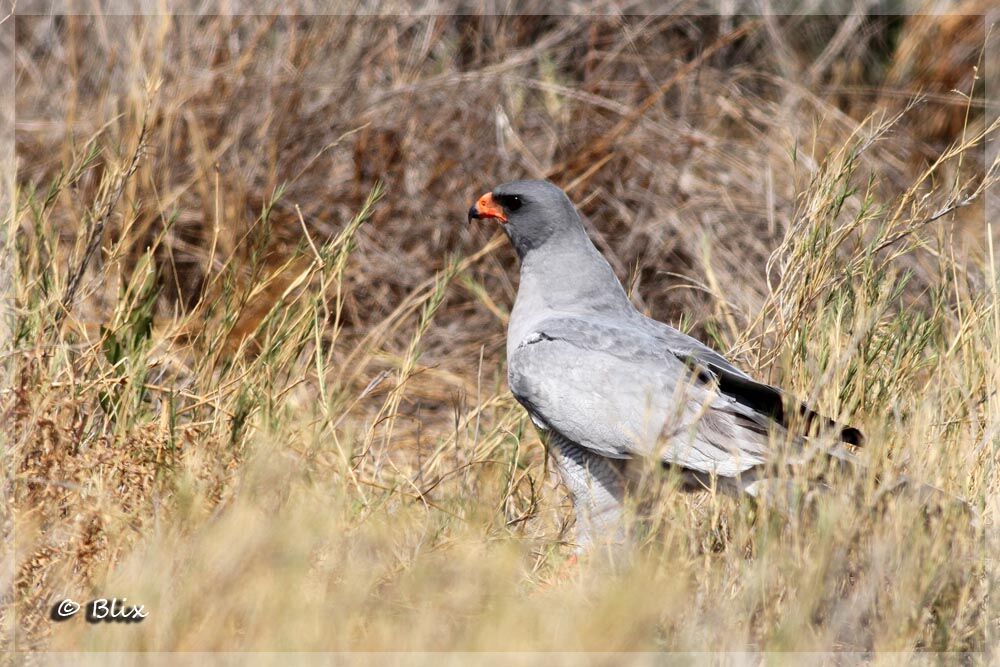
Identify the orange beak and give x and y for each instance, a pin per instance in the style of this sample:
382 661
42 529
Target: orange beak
487 207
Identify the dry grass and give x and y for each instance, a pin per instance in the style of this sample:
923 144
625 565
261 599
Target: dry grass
256 377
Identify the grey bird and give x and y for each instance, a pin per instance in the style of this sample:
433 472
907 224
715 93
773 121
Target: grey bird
606 385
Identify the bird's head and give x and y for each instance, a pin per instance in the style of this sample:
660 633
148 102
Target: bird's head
532 213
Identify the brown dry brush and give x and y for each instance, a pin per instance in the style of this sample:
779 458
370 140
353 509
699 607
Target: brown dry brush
257 355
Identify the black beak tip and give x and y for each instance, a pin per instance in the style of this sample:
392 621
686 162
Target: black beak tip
473 214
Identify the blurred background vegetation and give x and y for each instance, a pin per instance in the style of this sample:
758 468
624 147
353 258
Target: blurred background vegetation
256 373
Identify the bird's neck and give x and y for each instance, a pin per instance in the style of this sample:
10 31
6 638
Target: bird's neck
570 276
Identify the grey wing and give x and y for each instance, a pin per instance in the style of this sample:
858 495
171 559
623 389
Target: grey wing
613 392
761 398
683 345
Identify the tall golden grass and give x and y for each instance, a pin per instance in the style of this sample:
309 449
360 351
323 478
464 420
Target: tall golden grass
256 378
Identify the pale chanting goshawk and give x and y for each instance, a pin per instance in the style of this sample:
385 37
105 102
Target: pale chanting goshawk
605 384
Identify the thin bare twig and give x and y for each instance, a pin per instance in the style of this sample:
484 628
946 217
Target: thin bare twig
75 275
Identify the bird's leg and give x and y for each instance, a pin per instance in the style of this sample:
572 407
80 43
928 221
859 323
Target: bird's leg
597 487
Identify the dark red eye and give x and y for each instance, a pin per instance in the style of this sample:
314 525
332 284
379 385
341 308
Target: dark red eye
510 202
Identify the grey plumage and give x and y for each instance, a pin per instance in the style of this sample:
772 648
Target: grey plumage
607 384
